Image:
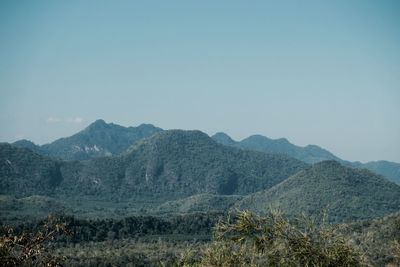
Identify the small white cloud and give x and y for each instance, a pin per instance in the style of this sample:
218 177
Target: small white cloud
75 120
53 120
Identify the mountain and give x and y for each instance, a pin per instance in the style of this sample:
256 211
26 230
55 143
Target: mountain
224 139
99 139
182 163
345 193
25 173
171 164
391 170
23 143
309 154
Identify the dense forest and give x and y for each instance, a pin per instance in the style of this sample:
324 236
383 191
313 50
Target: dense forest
143 196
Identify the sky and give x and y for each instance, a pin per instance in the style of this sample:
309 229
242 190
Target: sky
314 72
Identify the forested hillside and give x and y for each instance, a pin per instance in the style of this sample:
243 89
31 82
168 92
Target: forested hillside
343 193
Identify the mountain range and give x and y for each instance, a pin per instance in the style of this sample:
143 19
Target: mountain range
99 139
173 162
342 192
180 171
309 154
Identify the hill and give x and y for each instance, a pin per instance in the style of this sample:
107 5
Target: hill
391 170
25 173
170 164
309 154
378 238
99 139
181 163
344 193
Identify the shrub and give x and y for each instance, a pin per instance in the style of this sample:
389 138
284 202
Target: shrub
273 240
30 249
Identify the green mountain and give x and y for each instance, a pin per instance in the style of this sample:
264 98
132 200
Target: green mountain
170 164
97 140
391 170
23 143
181 163
344 193
309 154
25 173
224 139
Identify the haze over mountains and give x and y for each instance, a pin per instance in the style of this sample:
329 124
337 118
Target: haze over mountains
177 171
105 139
99 139
343 192
309 154
175 162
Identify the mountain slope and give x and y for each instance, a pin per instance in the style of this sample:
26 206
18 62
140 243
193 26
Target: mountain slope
25 173
97 140
345 193
391 170
184 163
170 164
309 154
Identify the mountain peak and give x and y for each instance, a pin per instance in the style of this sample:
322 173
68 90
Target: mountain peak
98 123
343 192
223 138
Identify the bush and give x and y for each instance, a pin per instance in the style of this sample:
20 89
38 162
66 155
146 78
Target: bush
30 249
273 240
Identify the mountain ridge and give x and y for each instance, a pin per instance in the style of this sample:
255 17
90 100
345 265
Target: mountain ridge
310 154
344 193
99 139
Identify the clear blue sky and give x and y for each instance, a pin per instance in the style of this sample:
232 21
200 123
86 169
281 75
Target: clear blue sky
315 72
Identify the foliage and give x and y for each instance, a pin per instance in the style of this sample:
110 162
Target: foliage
199 203
309 154
25 173
378 238
30 248
171 163
346 194
273 240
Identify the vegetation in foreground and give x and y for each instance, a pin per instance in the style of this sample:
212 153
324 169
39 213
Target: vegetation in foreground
244 239
31 248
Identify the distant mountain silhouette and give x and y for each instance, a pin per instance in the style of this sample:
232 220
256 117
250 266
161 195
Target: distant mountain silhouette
309 154
99 139
173 162
344 193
